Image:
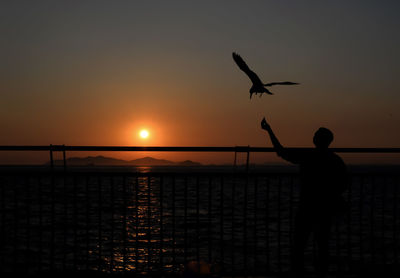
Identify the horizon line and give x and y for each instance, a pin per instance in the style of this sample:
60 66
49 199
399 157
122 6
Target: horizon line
187 148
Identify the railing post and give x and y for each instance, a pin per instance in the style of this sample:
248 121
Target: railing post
64 158
51 157
248 158
234 161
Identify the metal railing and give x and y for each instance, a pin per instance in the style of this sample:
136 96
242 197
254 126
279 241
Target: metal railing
158 222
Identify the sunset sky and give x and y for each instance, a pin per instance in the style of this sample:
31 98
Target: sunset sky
98 72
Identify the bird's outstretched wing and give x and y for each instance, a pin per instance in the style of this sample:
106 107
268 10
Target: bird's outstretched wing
281 83
243 66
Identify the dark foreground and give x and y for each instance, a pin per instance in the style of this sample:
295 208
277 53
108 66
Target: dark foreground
157 223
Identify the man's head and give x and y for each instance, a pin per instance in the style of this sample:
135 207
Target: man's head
323 137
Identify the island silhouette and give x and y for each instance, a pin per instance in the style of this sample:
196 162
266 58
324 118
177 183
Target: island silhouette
109 161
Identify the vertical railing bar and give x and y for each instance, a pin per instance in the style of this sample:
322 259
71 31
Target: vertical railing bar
53 223
185 224
15 223
100 216
267 243
3 213
361 206
173 225
233 205
40 189
137 225
160 270
337 244
349 231
255 224
64 159
209 214
124 224
65 224
75 221
372 227
245 243
112 197
279 223
87 224
51 157
248 160
291 204
149 226
384 199
395 198
28 223
222 224
198 221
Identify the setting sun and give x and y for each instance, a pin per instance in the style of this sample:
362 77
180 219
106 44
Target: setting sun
144 134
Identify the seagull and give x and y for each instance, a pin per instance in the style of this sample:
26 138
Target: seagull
258 85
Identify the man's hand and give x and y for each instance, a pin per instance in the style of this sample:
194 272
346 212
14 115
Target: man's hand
264 124
279 149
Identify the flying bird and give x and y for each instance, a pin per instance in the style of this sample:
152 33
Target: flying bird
258 85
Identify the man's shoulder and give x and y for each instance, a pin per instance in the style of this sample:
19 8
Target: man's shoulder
338 161
331 157
337 157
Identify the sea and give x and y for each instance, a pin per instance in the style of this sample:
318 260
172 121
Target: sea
142 220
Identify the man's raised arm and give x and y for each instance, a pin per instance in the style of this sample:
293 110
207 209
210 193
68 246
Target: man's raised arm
279 149
275 142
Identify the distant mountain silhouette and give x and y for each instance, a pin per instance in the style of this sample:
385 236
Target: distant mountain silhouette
150 161
109 161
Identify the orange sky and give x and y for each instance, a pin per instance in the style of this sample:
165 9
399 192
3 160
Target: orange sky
85 74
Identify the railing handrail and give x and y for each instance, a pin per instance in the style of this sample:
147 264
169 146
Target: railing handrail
181 149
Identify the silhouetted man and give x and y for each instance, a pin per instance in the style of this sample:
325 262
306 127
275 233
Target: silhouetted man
323 180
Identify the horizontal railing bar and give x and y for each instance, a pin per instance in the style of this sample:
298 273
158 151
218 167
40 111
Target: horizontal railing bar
183 149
